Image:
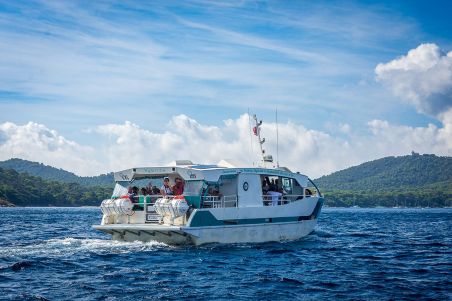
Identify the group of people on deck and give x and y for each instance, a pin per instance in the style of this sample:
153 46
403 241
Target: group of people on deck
271 189
176 189
166 189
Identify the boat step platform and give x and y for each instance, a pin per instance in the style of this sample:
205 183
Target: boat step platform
146 232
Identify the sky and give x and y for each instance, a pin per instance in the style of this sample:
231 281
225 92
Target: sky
100 86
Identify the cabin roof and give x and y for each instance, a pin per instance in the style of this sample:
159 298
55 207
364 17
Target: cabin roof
207 172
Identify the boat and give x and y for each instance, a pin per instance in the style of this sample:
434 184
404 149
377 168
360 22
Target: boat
219 203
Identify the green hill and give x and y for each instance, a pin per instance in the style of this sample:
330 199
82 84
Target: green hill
54 174
412 181
22 189
416 180
391 172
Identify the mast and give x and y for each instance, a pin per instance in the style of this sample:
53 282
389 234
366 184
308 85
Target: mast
277 140
257 132
251 137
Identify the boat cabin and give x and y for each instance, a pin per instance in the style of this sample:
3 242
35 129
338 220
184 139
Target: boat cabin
213 186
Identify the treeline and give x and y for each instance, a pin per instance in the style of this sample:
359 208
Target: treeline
391 173
22 189
406 181
55 174
389 198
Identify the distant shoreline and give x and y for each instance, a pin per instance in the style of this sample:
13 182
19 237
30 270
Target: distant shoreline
328 207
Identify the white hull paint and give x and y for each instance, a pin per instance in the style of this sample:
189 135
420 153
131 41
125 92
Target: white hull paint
253 233
250 233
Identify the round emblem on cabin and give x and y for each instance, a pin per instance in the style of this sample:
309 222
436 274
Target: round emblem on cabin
245 186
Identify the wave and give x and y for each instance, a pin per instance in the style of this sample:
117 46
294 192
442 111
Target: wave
70 246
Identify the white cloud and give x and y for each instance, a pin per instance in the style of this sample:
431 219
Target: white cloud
36 142
185 138
345 128
309 151
423 77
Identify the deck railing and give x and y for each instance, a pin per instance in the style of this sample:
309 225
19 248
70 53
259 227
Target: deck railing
275 200
211 201
226 201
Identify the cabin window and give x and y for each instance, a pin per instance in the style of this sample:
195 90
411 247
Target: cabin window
228 185
297 190
220 194
287 185
193 187
120 189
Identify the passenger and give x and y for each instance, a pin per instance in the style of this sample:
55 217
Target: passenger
273 186
215 192
265 186
178 188
149 189
155 190
275 195
133 193
144 191
166 188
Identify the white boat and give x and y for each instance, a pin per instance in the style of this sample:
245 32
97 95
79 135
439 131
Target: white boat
219 204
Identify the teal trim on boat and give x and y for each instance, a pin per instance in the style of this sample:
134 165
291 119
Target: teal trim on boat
318 208
284 219
204 219
194 201
252 221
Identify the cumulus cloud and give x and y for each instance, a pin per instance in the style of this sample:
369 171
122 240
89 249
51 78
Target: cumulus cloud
184 138
36 142
423 77
312 152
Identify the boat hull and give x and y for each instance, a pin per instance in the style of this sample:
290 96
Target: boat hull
249 233
257 233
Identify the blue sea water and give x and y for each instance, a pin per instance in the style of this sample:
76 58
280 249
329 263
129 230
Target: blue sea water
355 254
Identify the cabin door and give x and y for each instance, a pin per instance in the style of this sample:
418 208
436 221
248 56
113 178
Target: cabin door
249 190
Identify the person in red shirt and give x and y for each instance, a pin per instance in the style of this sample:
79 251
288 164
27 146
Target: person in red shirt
178 188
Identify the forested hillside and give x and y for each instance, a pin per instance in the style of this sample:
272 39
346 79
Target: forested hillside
22 189
390 173
412 181
54 174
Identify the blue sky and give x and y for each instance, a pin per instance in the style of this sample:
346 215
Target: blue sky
74 67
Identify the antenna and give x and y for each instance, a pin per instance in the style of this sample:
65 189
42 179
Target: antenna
277 140
251 136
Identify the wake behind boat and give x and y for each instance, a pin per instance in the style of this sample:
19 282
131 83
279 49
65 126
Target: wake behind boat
212 204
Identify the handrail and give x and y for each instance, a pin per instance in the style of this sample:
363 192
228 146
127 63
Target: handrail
152 197
275 200
211 201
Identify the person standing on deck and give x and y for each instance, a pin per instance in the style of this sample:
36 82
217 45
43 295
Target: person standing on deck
166 188
178 188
